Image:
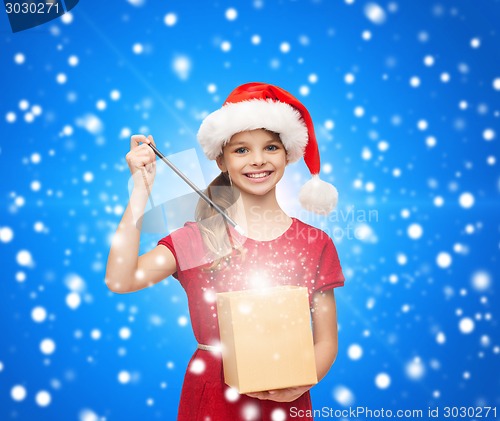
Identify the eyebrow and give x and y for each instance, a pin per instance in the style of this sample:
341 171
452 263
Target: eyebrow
244 143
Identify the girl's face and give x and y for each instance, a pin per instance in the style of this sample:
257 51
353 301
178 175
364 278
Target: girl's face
255 161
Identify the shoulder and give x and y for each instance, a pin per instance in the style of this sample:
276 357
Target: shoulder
191 227
190 232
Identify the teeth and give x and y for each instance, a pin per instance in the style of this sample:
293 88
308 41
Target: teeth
259 175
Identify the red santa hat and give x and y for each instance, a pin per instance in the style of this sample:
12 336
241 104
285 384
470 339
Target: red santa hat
262 106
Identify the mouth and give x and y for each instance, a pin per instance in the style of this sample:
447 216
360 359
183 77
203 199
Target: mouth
258 175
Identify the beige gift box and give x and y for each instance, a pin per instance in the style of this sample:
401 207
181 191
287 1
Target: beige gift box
266 338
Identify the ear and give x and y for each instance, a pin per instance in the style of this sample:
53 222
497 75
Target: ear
220 163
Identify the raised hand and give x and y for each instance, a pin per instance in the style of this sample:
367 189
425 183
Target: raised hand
141 161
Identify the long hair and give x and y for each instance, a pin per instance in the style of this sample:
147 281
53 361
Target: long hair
213 227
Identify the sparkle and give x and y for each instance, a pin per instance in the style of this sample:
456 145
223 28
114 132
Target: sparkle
170 19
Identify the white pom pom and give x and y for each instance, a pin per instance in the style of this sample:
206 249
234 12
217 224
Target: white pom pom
318 196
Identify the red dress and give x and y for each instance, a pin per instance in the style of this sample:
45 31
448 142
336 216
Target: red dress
303 256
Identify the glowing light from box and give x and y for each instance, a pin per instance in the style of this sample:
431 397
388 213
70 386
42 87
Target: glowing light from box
259 280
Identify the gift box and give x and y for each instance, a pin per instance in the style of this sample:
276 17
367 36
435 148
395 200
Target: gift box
266 338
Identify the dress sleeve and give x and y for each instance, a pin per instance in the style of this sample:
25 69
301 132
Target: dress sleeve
168 243
329 273
187 247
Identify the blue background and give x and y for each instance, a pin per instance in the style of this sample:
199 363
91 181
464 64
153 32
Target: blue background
425 323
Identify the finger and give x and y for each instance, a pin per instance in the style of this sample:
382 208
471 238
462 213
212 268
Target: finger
135 140
146 162
140 163
148 139
144 151
256 395
144 147
151 154
146 142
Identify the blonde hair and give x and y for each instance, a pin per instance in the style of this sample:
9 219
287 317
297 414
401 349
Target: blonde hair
213 227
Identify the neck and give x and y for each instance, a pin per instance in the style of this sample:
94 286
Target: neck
261 216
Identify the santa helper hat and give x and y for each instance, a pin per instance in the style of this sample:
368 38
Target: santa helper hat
262 106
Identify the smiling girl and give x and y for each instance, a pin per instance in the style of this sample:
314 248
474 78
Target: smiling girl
259 130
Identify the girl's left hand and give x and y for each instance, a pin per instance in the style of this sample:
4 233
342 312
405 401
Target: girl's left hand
281 395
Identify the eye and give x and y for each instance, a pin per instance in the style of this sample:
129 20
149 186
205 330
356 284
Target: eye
272 148
241 150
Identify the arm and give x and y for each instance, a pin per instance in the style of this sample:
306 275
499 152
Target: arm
125 270
324 321
325 331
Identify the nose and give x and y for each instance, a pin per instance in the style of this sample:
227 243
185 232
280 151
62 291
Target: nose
258 158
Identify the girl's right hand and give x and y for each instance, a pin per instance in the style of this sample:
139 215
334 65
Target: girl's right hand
141 161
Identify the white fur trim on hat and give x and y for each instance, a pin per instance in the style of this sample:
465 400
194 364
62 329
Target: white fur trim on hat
218 127
318 196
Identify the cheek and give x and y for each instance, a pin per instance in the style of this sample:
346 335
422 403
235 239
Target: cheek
283 162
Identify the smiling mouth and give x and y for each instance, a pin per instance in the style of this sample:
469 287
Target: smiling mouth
259 175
